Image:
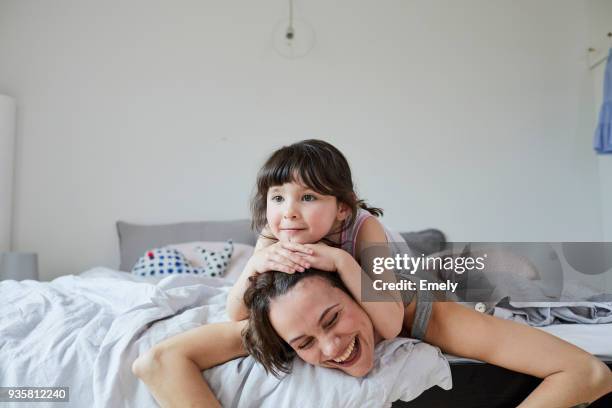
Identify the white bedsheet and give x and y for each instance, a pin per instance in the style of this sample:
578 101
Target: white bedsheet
594 338
85 331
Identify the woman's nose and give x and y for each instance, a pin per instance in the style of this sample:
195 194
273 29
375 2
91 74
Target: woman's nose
332 347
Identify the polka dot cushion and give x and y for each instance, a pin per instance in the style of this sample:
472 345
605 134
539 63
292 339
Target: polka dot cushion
216 261
162 262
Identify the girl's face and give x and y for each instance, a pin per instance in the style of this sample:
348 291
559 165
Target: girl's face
325 326
297 213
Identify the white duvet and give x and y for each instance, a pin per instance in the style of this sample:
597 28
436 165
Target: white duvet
85 331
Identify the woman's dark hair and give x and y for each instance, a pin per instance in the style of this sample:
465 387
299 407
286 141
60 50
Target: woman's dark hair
259 337
317 164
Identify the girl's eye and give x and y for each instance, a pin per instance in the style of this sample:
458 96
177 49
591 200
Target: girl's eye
309 197
333 321
276 198
306 344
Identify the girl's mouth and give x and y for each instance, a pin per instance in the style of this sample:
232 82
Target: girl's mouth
292 230
350 356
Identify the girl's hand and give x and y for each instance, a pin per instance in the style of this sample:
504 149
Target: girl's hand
323 256
285 257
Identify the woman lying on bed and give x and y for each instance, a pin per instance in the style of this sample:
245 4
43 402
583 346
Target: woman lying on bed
312 315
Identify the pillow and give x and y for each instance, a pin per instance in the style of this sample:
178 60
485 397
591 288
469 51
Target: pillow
135 239
217 261
425 242
160 262
240 255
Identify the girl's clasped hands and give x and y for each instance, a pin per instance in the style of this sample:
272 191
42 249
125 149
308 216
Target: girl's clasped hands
291 257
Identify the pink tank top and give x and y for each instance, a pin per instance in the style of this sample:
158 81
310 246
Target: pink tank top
424 299
349 235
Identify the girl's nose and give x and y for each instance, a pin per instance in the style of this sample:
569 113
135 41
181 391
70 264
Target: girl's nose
290 211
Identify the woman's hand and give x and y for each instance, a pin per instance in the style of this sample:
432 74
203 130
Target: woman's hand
288 257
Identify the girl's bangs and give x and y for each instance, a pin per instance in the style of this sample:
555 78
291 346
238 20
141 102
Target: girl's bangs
302 170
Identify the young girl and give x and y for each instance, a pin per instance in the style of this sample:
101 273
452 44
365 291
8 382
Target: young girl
310 217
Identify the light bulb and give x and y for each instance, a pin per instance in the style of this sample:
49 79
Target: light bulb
293 39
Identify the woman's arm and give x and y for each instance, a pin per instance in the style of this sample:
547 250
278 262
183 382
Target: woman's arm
172 369
571 375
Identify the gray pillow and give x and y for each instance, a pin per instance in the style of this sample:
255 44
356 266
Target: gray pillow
135 239
425 242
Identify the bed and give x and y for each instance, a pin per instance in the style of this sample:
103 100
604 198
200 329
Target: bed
474 383
84 331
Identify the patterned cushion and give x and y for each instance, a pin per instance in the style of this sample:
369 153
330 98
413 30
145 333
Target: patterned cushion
161 262
216 262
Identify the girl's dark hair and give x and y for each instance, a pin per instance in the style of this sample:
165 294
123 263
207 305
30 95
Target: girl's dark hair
259 337
317 164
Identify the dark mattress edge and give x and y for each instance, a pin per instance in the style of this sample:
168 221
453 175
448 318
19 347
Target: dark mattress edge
484 385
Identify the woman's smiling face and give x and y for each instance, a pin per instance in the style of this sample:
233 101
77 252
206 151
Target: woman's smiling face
325 326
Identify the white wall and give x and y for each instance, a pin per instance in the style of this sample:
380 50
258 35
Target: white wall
473 116
599 14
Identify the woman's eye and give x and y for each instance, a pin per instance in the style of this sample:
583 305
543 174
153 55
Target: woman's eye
305 345
309 197
333 321
276 198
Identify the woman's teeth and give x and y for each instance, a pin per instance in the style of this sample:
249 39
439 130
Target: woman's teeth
347 352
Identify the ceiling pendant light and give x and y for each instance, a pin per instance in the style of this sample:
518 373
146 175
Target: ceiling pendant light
293 38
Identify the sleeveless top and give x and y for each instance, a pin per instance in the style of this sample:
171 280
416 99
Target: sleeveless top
398 246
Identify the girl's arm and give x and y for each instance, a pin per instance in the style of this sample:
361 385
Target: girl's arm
387 316
387 311
571 375
236 310
268 255
172 369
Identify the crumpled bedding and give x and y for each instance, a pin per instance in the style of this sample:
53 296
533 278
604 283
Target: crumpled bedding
85 331
576 302
536 292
